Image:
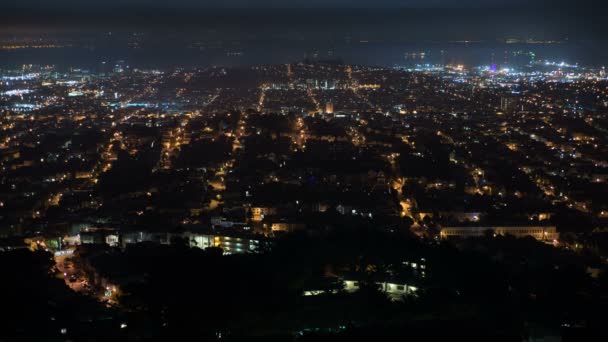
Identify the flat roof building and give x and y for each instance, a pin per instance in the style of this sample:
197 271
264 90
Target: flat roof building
542 233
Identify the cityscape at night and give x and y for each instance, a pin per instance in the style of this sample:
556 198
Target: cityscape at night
309 171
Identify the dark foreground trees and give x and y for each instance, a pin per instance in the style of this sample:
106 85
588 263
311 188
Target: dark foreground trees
499 289
38 306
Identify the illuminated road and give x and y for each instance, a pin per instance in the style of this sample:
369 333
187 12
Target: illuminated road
65 265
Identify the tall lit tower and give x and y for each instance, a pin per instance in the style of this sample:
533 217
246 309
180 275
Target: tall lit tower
329 108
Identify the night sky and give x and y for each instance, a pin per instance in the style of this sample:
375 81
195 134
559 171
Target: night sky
424 19
67 4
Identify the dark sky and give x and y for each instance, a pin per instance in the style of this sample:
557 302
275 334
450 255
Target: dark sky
285 3
453 19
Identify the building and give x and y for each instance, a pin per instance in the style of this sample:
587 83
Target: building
258 213
395 290
231 244
508 103
329 108
459 216
541 233
94 236
287 226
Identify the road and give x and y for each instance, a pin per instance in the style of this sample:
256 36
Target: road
65 265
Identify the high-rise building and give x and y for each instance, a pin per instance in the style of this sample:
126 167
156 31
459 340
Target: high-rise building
508 103
329 108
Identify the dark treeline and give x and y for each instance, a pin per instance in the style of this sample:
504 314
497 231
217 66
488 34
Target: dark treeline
503 289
